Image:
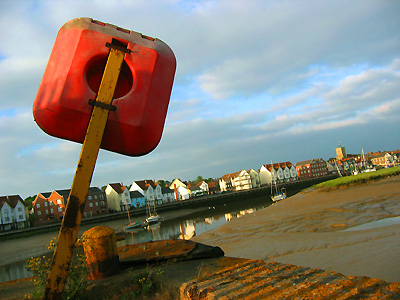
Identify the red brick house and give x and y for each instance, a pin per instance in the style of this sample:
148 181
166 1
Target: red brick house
50 207
311 168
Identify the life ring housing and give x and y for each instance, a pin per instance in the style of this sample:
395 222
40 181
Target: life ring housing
73 74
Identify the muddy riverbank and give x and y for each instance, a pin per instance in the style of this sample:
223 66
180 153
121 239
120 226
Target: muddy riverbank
311 229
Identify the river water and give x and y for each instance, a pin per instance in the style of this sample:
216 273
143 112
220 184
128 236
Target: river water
177 228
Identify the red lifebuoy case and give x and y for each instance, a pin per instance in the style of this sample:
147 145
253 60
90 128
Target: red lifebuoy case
73 74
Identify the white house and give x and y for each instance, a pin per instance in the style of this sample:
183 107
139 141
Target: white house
168 195
6 215
238 181
13 213
183 193
255 178
204 187
241 181
151 191
277 173
118 197
177 182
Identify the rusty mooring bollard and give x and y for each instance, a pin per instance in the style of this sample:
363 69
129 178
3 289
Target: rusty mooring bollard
100 246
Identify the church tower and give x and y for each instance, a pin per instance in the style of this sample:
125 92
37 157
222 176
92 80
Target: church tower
340 152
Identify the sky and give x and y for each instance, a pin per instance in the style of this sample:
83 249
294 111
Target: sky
256 80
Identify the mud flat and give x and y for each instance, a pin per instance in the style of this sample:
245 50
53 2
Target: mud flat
313 229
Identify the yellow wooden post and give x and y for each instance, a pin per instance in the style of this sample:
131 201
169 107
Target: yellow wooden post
83 175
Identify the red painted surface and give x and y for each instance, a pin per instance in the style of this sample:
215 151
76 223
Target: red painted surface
73 75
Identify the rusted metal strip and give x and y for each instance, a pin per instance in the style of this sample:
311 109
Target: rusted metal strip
83 175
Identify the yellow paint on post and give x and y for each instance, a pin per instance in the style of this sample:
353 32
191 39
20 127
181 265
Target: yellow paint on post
100 246
76 203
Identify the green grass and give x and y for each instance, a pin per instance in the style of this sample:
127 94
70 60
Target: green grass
360 178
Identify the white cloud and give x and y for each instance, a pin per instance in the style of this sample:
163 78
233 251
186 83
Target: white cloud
255 80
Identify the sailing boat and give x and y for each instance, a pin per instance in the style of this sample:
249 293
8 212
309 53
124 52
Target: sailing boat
278 195
365 168
152 217
131 225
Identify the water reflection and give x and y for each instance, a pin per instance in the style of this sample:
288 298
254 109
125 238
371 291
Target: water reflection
13 271
185 228
179 228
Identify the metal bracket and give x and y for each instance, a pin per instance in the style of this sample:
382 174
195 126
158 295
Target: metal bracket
118 47
110 107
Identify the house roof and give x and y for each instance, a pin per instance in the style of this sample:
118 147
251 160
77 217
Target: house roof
231 175
11 200
276 166
135 194
46 194
166 190
195 188
307 162
184 182
117 187
212 184
144 184
95 190
378 155
304 162
348 159
65 193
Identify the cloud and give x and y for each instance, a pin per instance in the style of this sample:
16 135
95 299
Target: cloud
255 80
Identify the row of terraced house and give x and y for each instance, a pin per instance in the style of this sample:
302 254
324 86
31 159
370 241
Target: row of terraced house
49 207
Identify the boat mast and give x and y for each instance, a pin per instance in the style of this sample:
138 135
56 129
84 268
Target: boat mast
272 167
127 209
363 158
148 207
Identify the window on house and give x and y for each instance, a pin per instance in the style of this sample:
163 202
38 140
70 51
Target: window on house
51 203
39 213
97 203
95 196
59 209
58 201
47 211
52 210
20 209
45 204
89 197
20 217
90 204
7 219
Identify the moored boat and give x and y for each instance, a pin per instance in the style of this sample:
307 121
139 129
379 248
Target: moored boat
153 219
133 225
